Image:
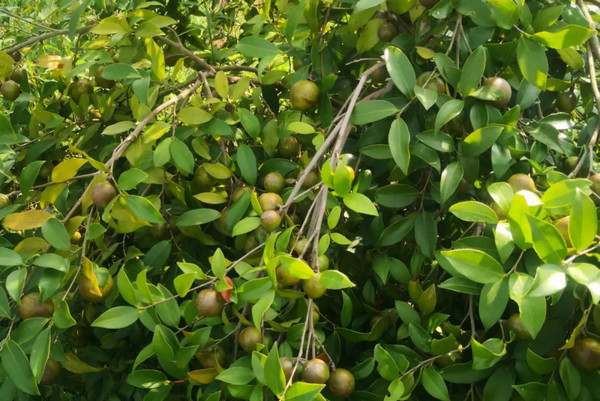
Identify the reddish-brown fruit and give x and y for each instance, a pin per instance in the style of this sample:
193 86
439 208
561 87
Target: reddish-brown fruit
102 194
586 353
30 306
51 371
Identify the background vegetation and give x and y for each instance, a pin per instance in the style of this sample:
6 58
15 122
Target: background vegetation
298 200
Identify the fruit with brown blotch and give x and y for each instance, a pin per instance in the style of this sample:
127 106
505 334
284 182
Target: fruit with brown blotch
273 182
30 306
10 90
270 220
209 303
515 324
51 371
435 83
102 194
387 31
4 201
249 338
562 225
85 289
315 371
284 277
287 365
566 102
304 95
313 288
288 147
269 201
80 87
101 81
211 356
520 181
341 383
586 353
504 86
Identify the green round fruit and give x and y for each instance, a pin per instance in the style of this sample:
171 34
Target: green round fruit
288 147
515 324
17 75
400 6
504 86
30 306
249 338
287 365
570 163
313 288
270 220
562 225
284 277
310 180
341 383
315 371
380 75
586 353
10 90
80 87
203 180
101 81
323 262
304 95
520 181
211 356
387 31
269 201
4 201
209 303
435 83
102 194
300 244
85 289
595 179
566 101
273 182
51 371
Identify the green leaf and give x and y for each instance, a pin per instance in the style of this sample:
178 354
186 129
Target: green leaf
583 221
472 72
372 110
247 163
426 233
473 264
144 209
126 288
17 367
119 71
296 267
531 57
245 225
28 176
221 84
549 279
130 179
236 375
335 280
434 384
274 376
588 275
426 96
117 318
197 217
492 302
400 69
570 378
559 198
147 378
194 116
533 313
301 391
396 196
499 386
8 257
547 241
217 170
474 212
450 180
488 353
539 365
181 156
439 141
56 234
386 365
254 46
399 141
480 140
40 353
448 111
567 36
119 128
360 204
249 122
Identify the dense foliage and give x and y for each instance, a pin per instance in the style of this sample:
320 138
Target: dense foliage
298 200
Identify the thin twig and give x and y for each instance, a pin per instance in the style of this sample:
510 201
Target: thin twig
41 38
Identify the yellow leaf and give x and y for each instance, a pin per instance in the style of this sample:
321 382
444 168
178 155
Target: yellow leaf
30 246
73 224
110 26
95 163
51 193
76 365
88 272
67 169
26 220
424 52
221 84
203 376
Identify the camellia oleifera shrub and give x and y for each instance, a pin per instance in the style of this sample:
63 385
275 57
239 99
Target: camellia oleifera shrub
299 200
